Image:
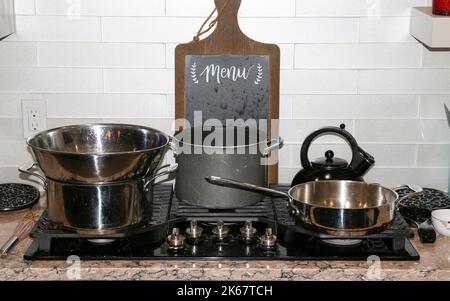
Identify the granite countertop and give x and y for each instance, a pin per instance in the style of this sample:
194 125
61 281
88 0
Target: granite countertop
433 265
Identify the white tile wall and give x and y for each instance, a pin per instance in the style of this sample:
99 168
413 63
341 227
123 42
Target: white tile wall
345 56
18 54
350 61
384 30
25 7
45 28
348 8
108 55
101 7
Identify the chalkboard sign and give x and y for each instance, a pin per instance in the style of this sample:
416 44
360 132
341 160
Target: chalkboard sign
227 87
228 75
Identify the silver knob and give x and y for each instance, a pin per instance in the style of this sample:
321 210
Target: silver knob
221 231
248 231
194 231
268 240
175 240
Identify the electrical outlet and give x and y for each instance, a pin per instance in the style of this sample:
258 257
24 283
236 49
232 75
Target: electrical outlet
34 116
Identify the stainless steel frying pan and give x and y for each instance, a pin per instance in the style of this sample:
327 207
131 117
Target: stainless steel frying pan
340 208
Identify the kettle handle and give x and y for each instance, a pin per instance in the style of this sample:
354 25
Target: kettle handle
361 160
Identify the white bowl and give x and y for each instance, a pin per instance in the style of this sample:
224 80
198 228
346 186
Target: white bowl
441 221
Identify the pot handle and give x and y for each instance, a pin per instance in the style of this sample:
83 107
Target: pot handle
173 146
26 169
162 171
272 145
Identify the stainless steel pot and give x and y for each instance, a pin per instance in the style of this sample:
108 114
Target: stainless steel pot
99 177
99 153
99 209
339 208
236 156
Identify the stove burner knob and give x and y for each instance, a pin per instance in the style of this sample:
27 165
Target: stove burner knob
221 231
176 240
248 232
194 231
268 240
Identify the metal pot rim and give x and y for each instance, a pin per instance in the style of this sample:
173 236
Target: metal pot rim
341 181
28 141
266 140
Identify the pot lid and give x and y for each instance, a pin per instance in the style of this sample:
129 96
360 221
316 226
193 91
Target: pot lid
329 162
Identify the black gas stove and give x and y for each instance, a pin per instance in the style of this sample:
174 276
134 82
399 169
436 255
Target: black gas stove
178 231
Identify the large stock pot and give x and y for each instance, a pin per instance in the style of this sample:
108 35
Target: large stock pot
99 177
232 152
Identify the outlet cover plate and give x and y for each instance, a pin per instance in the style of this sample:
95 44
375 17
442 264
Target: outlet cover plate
34 116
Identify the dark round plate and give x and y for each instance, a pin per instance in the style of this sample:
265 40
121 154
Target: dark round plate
15 196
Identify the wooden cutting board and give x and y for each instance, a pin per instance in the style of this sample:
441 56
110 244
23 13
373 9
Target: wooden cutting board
229 76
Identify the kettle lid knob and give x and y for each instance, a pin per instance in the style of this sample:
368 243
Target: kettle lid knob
329 162
329 155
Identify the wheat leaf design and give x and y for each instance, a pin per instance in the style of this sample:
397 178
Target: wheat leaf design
194 73
259 74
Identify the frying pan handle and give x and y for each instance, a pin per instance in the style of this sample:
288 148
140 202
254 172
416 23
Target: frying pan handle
245 186
26 169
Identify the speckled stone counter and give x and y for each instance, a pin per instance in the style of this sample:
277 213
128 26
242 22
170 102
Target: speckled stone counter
434 265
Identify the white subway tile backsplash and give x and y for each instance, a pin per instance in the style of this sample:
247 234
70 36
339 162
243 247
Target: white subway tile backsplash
432 106
405 81
11 129
254 8
15 153
50 80
295 131
105 105
349 56
385 30
426 177
24 7
9 105
355 106
287 56
301 30
160 81
170 55
345 8
58 122
436 58
114 55
167 125
182 8
318 82
286 106
43 28
18 54
434 155
403 131
101 7
149 29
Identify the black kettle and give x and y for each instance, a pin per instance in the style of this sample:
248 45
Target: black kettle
330 168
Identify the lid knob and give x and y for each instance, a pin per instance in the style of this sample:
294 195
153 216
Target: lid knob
329 155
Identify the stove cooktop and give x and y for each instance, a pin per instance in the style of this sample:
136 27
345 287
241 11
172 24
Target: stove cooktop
221 237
